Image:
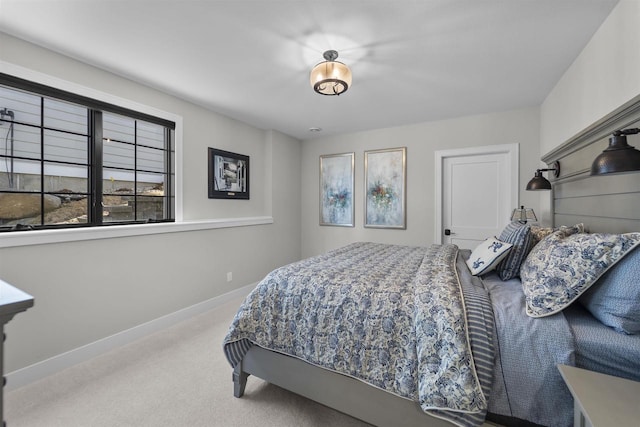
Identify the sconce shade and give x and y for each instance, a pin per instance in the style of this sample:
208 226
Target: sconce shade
619 157
523 214
538 182
330 77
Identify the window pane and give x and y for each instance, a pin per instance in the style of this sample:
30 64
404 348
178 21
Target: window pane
118 208
173 185
151 159
151 135
65 116
25 141
118 155
66 179
150 202
118 195
117 182
19 208
150 184
19 175
118 128
172 207
173 162
66 147
73 209
25 107
150 207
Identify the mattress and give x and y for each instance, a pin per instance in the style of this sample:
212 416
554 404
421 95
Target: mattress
600 348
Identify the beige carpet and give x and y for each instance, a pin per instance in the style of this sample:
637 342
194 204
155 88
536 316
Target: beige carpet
176 377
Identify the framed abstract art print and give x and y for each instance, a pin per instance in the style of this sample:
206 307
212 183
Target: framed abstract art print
336 189
385 188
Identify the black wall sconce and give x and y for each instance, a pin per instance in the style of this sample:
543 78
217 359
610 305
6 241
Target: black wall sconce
539 182
619 157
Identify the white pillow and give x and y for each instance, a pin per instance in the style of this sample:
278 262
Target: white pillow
486 256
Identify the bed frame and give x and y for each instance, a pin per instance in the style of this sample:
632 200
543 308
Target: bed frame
603 204
337 391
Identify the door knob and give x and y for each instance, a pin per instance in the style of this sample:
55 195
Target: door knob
447 232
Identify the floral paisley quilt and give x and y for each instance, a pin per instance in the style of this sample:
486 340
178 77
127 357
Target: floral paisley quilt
392 316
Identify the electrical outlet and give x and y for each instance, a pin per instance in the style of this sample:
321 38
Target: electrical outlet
229 276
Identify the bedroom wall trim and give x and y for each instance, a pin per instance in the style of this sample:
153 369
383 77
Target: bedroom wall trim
41 237
37 371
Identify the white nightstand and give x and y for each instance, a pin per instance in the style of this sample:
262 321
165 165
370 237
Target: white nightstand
602 400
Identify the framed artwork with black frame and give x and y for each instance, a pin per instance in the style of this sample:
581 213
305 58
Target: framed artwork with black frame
228 175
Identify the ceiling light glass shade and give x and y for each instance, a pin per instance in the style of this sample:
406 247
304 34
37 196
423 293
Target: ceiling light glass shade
538 182
523 215
619 157
330 77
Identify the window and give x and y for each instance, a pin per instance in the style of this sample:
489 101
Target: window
70 161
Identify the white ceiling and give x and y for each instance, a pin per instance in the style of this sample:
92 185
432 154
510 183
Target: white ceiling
412 61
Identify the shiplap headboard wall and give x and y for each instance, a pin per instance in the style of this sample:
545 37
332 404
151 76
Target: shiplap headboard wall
609 203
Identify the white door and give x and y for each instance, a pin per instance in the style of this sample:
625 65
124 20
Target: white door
478 189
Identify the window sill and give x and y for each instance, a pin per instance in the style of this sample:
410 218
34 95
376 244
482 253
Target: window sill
41 237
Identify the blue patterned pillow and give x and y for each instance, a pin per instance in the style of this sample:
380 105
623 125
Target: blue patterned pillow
519 235
562 267
487 255
615 298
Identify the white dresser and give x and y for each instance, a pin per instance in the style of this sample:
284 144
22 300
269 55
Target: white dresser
12 301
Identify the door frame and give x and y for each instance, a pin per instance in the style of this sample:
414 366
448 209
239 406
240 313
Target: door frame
513 156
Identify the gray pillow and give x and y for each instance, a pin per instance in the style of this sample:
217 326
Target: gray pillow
519 235
615 298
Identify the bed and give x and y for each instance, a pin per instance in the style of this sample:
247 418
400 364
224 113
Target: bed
498 339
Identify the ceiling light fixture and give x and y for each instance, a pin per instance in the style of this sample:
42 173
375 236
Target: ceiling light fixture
619 156
330 77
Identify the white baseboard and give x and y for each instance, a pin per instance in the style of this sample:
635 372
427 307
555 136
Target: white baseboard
37 371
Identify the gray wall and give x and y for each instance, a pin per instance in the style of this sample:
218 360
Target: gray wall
88 290
603 77
421 140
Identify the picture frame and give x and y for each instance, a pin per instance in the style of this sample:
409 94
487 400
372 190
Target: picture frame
337 184
385 188
228 175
